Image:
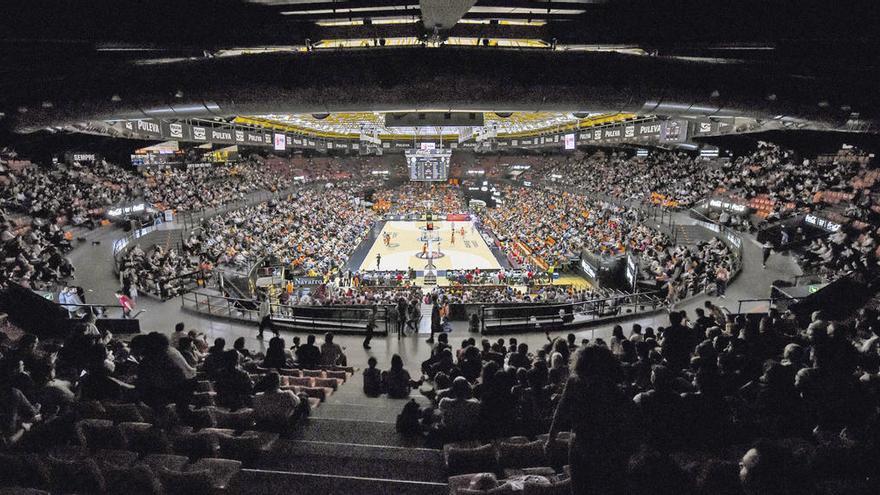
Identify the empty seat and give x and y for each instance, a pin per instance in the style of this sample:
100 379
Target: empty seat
81 476
133 480
223 471
99 434
24 470
242 419
157 462
521 455
467 458
124 413
115 459
146 438
196 445
301 381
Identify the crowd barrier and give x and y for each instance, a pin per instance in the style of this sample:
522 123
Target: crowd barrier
340 319
506 318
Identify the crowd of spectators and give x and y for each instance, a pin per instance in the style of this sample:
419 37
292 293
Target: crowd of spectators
688 394
43 385
421 198
198 188
557 226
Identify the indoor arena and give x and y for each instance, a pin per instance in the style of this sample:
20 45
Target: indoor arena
537 247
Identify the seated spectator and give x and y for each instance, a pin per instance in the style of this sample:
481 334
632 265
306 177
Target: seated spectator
459 414
53 395
214 358
234 386
187 349
163 373
239 346
770 469
276 407
277 356
98 382
372 379
16 411
308 355
331 353
396 381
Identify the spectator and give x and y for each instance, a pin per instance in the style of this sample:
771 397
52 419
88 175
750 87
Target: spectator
372 379
595 409
396 381
308 355
234 386
276 407
331 353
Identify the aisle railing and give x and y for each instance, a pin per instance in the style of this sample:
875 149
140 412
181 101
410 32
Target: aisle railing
322 317
539 314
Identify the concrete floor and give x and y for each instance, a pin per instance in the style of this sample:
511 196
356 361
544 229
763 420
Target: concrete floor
94 271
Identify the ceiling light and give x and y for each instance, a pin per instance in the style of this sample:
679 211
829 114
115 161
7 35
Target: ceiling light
178 93
115 98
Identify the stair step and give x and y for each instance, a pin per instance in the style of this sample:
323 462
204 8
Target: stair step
345 459
254 482
352 431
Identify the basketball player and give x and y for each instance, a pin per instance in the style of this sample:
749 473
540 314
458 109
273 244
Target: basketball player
378 260
452 240
461 231
425 250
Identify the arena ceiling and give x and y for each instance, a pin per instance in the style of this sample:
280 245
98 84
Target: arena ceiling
351 124
66 61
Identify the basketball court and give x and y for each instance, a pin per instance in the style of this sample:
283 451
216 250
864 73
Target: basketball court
406 248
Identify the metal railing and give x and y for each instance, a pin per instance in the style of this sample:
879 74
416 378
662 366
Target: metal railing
99 310
249 310
771 301
590 310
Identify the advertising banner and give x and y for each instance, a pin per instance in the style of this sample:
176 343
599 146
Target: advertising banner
199 133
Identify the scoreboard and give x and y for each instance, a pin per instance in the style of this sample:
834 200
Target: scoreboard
428 165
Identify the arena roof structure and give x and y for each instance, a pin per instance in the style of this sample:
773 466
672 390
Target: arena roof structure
806 63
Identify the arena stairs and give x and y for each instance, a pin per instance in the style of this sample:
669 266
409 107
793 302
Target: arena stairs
691 235
348 445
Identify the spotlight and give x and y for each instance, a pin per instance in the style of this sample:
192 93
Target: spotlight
178 93
771 97
715 94
22 109
115 98
47 104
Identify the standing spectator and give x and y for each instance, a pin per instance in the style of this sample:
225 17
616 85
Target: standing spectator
722 276
766 250
435 319
596 410
126 303
371 325
402 314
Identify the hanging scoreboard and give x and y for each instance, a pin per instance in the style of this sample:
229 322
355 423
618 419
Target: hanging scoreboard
428 164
